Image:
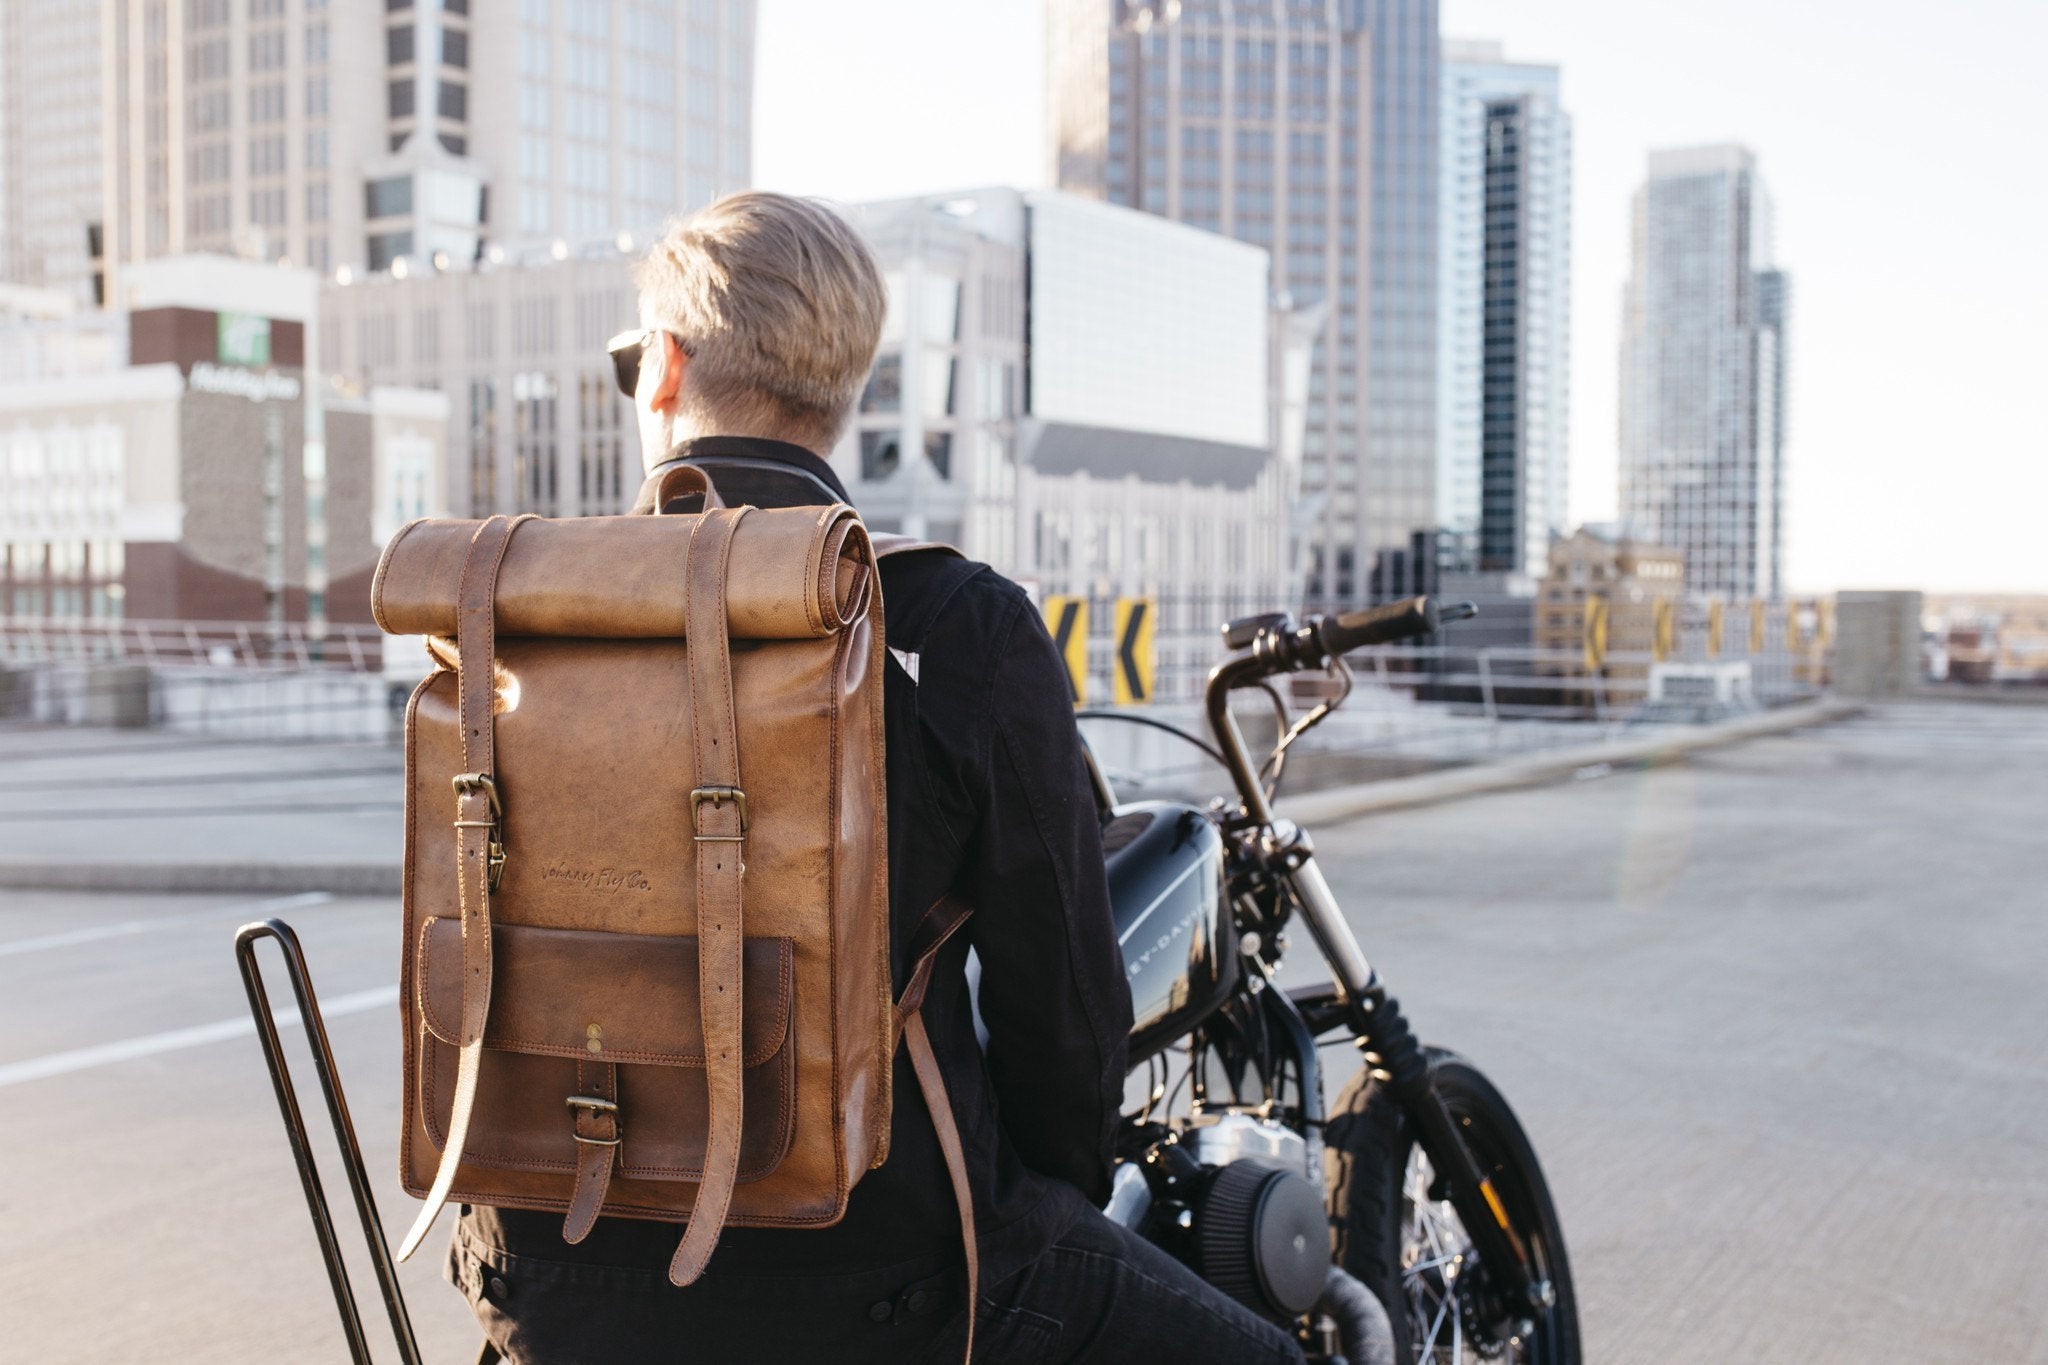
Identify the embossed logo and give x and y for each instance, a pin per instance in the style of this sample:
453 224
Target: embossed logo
607 879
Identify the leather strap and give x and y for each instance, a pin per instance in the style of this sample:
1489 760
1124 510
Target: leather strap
679 481
940 923
478 823
887 543
718 817
597 1144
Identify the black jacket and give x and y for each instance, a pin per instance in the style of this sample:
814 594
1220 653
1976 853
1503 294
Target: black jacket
989 798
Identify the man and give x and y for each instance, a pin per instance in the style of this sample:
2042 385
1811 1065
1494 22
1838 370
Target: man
761 317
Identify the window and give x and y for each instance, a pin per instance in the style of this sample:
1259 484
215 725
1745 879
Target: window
316 202
533 53
401 97
884 391
453 101
398 45
316 97
266 103
590 18
533 106
267 51
455 48
880 454
316 43
386 247
390 198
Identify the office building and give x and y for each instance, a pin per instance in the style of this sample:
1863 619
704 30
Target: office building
1503 313
1704 372
1308 128
355 135
1051 397
165 462
535 423
51 149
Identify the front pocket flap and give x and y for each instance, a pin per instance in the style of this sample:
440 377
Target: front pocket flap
559 991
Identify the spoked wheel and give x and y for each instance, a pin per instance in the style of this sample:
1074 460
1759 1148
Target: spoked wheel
1410 1247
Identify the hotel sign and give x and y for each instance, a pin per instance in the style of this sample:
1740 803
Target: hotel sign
255 385
242 339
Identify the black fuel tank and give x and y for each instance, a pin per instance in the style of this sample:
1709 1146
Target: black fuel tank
1165 865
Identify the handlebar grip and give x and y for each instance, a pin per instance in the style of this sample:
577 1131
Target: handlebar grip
1379 625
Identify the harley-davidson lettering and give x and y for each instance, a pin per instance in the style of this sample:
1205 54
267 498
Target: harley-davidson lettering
1137 964
606 879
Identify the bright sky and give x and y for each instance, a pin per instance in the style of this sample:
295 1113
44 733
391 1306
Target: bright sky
1899 140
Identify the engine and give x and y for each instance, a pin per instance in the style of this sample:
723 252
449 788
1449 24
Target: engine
1236 1199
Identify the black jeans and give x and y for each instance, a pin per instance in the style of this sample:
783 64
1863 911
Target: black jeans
1098 1294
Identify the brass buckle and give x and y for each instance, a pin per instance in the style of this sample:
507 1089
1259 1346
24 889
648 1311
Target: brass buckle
717 796
596 1106
494 860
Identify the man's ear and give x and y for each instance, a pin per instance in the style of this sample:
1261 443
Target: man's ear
661 375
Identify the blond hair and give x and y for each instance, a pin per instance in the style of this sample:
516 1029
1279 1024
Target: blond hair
780 305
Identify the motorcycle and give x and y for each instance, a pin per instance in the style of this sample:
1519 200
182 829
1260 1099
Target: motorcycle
1415 1195
1417 1182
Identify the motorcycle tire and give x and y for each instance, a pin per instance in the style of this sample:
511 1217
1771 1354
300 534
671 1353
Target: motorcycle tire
1409 1255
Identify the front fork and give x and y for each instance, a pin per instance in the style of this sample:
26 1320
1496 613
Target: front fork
1397 1062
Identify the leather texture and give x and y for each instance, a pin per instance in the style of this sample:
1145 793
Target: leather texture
675 1001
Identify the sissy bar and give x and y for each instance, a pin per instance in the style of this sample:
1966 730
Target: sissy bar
246 939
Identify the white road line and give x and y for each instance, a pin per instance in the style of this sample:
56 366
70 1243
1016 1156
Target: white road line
72 937
150 1045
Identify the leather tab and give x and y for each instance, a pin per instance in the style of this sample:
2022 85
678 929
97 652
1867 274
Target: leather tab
478 824
597 1145
680 481
719 826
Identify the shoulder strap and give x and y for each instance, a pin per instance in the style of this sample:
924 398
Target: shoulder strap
479 839
939 924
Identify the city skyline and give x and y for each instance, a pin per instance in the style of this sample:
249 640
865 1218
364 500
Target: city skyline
1313 135
1917 297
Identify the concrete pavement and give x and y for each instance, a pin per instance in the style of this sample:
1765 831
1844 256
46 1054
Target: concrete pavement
1771 1015
145 812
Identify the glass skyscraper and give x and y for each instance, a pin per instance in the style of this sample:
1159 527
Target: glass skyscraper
1703 372
1308 127
1504 311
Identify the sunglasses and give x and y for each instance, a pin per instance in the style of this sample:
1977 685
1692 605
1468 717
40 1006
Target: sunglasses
626 349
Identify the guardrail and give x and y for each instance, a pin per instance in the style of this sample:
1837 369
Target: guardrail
290 645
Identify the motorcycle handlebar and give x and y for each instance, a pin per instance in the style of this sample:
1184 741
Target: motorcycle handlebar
1379 625
1280 647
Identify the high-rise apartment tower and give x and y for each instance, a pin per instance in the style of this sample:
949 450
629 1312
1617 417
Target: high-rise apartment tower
1307 127
1703 372
1504 311
334 134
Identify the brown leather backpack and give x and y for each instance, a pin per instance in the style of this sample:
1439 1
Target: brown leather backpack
646 963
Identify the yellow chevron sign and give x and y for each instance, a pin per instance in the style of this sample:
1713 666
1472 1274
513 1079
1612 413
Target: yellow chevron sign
1664 635
1066 618
1131 671
1756 625
1716 618
1595 637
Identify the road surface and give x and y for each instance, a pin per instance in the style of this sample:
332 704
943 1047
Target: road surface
1774 1019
